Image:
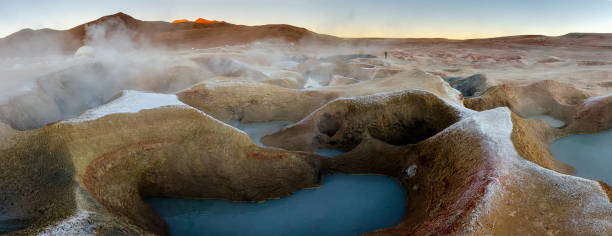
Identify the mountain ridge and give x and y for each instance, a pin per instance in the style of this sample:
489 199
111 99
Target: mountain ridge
187 35
160 33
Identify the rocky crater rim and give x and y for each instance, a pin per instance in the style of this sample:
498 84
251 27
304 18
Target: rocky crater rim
120 176
579 110
397 118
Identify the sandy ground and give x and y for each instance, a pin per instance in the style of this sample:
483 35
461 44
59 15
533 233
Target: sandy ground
586 68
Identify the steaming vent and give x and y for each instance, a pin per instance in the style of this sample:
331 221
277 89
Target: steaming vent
84 51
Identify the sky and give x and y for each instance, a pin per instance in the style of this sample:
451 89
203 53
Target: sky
456 19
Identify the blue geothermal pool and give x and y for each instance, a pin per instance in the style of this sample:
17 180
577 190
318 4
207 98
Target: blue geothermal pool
328 152
553 122
257 130
344 205
590 154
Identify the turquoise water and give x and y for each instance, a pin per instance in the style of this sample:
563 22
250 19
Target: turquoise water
8 227
328 152
257 130
590 154
553 122
344 205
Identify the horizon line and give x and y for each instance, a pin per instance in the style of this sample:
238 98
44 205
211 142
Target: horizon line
335 35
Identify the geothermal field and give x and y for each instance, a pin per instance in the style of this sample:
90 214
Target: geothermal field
126 127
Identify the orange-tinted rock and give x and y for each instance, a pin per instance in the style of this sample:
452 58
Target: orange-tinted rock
199 20
180 21
205 21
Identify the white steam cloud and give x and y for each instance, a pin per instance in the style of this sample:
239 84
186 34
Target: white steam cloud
35 91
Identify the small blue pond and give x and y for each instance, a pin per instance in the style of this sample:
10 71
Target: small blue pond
344 205
328 152
257 130
553 122
590 154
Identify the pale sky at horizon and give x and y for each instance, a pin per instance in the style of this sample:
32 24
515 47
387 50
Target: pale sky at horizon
457 19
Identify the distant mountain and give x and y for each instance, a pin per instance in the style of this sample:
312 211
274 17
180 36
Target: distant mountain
205 21
188 34
184 35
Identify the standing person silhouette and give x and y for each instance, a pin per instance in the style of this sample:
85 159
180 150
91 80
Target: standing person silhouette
385 54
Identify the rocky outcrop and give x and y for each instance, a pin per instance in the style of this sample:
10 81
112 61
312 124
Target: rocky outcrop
398 118
36 185
579 110
67 93
593 115
221 162
468 178
481 170
248 102
98 167
531 138
465 172
471 85
546 97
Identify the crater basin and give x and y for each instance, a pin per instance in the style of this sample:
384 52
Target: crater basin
590 154
344 205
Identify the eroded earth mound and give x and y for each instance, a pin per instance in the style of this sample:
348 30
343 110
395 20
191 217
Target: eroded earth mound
452 121
461 168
